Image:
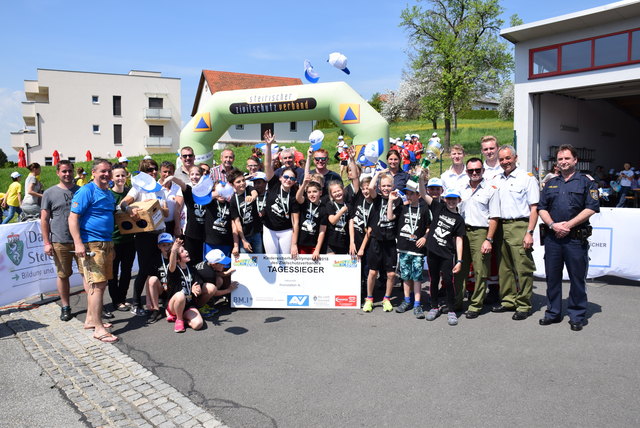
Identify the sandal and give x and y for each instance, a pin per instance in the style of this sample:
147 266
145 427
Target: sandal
105 325
123 307
107 338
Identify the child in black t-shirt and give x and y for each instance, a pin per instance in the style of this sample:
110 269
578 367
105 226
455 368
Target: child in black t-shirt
245 215
157 285
310 232
444 244
413 223
219 232
185 286
381 254
337 213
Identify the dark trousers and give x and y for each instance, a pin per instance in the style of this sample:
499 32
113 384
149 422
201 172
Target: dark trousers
125 253
146 244
441 267
195 248
574 254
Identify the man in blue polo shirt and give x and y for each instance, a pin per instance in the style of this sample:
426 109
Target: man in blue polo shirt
91 226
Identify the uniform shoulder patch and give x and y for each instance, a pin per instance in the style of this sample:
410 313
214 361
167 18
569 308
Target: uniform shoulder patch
594 194
589 177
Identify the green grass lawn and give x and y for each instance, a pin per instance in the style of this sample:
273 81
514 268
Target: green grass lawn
469 133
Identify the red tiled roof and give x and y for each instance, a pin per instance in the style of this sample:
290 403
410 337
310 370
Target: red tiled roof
228 81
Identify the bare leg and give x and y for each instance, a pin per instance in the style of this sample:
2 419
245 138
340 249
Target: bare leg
63 290
177 304
193 318
417 291
154 289
391 277
371 281
407 286
94 308
208 291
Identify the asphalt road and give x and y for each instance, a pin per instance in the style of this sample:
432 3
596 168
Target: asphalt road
292 368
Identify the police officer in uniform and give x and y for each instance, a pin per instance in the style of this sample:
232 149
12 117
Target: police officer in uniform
519 193
566 204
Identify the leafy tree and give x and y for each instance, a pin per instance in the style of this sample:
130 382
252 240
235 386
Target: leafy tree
457 47
405 103
376 102
505 108
3 157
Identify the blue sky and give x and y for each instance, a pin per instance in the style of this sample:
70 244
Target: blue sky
182 38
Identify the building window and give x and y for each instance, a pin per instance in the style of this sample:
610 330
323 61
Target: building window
293 126
96 129
609 50
156 131
117 105
48 161
95 99
156 102
239 127
117 135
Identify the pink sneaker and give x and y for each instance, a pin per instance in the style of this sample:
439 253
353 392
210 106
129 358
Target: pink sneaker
179 327
170 317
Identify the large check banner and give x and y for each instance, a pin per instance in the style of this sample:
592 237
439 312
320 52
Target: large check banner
274 281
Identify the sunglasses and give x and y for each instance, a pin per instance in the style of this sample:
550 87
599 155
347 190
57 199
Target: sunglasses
188 156
474 170
288 177
152 169
324 159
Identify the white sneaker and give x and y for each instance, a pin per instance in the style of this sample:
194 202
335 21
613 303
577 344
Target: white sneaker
452 319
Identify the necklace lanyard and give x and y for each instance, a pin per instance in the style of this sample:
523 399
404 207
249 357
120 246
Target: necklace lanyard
383 211
365 211
338 209
285 206
242 212
261 202
222 212
187 278
412 223
166 271
312 211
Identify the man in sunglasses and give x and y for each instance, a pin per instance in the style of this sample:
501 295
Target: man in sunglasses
480 209
188 160
320 160
287 157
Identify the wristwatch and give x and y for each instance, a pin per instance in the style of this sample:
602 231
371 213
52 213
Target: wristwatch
530 232
458 261
489 239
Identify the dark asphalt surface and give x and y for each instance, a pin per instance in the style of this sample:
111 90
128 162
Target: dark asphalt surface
291 368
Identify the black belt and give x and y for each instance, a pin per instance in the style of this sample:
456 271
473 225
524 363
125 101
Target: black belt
473 228
513 220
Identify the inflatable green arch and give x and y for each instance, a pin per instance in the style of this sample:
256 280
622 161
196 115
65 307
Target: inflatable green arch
335 101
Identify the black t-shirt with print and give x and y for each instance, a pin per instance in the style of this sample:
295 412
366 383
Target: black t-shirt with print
444 228
218 223
337 234
195 215
311 219
382 228
412 225
359 212
182 279
206 273
349 195
247 213
279 206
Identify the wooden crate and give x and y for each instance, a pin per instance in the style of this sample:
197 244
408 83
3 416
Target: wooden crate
149 213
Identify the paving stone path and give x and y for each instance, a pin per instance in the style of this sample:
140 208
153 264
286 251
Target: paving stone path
106 386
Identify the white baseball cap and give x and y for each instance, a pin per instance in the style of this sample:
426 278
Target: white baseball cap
165 238
435 182
259 176
123 159
15 174
217 257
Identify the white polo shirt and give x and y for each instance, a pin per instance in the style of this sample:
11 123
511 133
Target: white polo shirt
478 206
491 172
451 180
517 192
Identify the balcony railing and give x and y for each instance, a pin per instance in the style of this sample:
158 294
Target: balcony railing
19 139
158 141
157 113
29 113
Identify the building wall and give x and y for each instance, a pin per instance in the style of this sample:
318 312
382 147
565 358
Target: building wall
65 122
532 127
251 131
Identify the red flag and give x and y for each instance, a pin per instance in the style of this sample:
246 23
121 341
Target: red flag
56 157
22 159
89 156
119 154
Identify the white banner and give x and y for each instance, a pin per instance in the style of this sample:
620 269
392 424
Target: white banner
24 267
269 281
611 247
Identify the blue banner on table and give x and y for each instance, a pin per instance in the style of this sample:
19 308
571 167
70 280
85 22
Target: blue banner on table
269 281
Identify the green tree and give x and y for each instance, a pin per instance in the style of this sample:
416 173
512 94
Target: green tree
376 102
3 158
456 46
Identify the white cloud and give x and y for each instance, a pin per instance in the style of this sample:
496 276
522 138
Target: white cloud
10 118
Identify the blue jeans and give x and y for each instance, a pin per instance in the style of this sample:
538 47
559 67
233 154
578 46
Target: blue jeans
11 212
624 190
256 244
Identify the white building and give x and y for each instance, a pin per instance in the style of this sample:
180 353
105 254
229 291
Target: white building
72 112
577 81
214 81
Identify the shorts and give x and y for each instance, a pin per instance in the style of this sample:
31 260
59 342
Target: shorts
411 267
63 255
98 268
344 162
382 255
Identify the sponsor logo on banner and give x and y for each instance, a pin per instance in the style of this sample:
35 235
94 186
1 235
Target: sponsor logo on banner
346 300
297 300
346 263
601 247
242 300
298 104
14 248
202 122
250 262
350 113
322 300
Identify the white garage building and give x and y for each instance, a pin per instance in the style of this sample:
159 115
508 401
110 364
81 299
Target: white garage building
577 81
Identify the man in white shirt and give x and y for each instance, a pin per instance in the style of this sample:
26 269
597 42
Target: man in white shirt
480 208
625 178
519 193
489 147
455 177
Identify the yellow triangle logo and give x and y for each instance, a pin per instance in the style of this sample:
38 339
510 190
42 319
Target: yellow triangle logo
202 122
